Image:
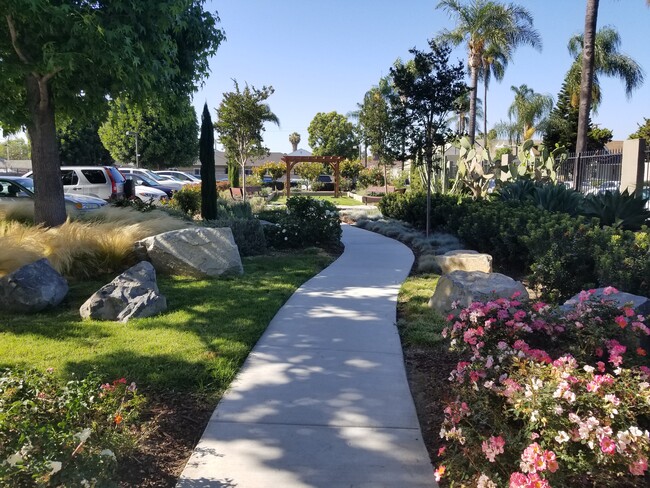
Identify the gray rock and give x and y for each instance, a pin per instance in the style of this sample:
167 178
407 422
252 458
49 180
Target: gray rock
133 294
466 287
639 303
464 260
199 252
32 288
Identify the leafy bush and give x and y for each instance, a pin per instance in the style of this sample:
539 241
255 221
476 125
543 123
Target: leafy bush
187 199
247 232
543 398
370 177
307 222
64 434
350 169
623 260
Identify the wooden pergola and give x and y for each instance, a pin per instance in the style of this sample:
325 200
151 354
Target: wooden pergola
333 161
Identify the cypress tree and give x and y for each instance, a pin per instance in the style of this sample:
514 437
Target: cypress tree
208 177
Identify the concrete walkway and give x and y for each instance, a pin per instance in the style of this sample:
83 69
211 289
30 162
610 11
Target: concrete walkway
322 400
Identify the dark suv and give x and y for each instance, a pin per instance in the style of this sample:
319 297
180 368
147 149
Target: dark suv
325 182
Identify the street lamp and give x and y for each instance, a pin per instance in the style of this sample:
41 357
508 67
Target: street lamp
136 135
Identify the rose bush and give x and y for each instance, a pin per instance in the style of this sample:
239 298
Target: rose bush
544 397
307 222
64 434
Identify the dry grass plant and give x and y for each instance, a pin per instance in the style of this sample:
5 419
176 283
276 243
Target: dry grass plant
95 243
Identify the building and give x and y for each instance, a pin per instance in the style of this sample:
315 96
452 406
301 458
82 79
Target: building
221 164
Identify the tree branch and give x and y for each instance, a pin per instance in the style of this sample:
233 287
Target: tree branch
42 87
14 40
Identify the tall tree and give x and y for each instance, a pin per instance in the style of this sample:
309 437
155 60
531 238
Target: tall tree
608 61
208 176
643 130
294 139
484 23
586 74
374 117
79 142
493 65
529 109
331 134
167 131
240 124
428 91
81 54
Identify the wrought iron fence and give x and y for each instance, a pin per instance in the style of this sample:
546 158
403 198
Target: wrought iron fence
592 172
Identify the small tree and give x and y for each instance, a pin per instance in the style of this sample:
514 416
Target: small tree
242 115
643 131
428 90
309 171
275 170
351 169
208 176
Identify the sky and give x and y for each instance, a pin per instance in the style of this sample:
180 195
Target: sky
323 55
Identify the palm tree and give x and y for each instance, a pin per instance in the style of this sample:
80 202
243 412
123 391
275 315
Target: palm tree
529 109
483 23
607 60
294 139
587 74
461 113
493 63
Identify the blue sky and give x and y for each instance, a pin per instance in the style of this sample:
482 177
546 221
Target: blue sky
323 55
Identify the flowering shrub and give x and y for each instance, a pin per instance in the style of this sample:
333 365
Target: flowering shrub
307 222
547 398
55 434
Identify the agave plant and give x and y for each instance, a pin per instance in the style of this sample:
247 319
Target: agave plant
555 197
618 210
517 191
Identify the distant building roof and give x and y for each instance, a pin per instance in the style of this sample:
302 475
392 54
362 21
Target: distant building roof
614 146
300 152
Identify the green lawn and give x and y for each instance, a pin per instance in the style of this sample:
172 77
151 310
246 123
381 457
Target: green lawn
346 201
418 323
197 346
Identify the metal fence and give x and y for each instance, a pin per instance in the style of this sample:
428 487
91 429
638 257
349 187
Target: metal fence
592 172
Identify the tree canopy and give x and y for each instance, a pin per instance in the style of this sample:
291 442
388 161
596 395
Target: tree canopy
643 131
83 53
167 132
79 142
332 134
240 124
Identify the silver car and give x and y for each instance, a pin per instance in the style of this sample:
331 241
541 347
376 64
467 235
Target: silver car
20 188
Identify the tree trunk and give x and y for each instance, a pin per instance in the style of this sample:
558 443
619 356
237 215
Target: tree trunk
472 99
485 107
49 204
587 75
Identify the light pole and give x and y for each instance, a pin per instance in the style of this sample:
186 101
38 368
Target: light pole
136 135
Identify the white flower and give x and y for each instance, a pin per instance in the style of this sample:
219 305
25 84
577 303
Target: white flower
13 459
55 466
107 453
83 435
588 369
561 437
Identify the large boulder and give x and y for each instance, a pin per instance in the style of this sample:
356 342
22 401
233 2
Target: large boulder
32 288
133 294
464 260
639 303
465 287
200 252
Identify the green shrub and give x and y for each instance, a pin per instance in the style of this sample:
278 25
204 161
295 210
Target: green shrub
248 234
187 199
617 209
64 434
307 222
623 260
370 177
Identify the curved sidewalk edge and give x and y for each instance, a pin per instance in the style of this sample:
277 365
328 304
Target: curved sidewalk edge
323 400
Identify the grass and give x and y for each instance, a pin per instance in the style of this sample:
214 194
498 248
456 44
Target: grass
343 201
419 324
197 346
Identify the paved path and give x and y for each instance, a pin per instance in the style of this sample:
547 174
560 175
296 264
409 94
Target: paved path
323 400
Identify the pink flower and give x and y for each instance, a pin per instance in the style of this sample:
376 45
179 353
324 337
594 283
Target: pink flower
442 450
628 311
439 472
639 467
601 366
607 445
493 447
610 290
518 480
621 321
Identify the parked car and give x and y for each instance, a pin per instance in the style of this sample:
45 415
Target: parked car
20 188
104 182
149 194
150 175
604 187
326 182
146 182
180 176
